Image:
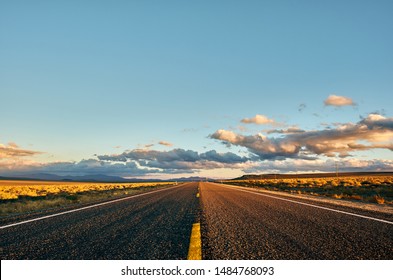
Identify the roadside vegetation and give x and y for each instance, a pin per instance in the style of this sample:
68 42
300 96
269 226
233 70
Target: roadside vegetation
374 189
30 196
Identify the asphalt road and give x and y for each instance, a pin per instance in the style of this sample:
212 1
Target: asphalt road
153 226
238 224
235 224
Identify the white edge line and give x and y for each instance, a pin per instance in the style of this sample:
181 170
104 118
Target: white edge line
303 203
84 208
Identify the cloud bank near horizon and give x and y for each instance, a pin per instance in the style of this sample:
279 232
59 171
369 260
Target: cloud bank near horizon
178 161
283 150
143 168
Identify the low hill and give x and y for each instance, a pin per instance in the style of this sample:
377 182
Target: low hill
310 175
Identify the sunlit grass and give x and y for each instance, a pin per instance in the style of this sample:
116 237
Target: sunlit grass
29 196
15 190
374 189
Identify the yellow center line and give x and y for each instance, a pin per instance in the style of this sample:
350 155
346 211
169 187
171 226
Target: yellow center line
195 249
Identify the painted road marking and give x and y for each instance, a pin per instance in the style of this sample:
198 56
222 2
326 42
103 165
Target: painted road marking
84 208
195 249
311 205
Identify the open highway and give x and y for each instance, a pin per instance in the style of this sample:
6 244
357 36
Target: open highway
156 225
235 223
242 224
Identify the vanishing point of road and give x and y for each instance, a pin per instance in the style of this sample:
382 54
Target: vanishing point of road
233 223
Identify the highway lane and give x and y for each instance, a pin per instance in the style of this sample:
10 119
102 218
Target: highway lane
153 226
238 224
235 224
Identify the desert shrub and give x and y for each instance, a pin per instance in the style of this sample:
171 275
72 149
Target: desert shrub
356 197
379 199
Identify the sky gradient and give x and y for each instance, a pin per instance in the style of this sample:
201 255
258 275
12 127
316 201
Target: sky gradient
165 89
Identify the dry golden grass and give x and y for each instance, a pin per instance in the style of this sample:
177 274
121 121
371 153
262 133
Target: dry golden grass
378 199
29 196
377 189
17 189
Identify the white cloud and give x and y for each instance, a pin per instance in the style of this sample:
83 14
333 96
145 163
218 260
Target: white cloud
259 119
12 150
338 101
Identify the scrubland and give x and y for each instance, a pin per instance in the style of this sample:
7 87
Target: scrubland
27 196
372 189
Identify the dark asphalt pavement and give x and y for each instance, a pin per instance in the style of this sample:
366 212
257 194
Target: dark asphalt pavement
243 225
153 226
235 224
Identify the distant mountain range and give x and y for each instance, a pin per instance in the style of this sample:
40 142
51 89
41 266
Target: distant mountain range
53 177
118 179
191 179
95 178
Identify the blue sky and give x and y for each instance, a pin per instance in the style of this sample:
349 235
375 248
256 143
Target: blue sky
84 82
